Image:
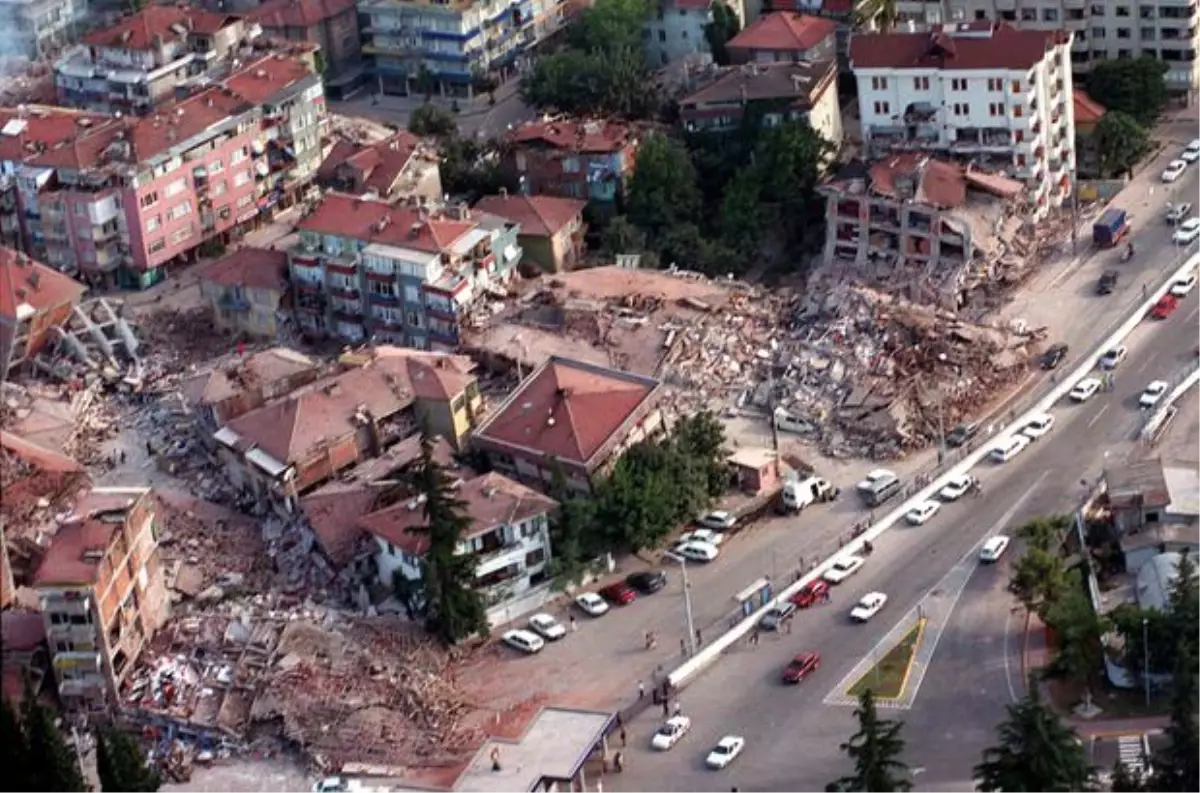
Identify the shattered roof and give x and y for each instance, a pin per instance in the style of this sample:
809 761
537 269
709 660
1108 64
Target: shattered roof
431 375
27 286
538 215
568 409
381 163
490 500
254 268
784 31
965 45
372 220
584 136
333 513
299 13
138 30
233 377
920 178
76 553
38 457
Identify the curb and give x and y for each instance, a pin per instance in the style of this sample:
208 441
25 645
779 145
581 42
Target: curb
1025 650
912 661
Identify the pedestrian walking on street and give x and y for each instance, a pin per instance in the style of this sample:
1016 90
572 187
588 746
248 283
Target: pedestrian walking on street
678 708
624 738
619 762
149 448
122 457
699 638
666 708
641 690
683 647
787 625
574 624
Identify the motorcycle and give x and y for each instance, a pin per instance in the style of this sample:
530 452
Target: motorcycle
1127 254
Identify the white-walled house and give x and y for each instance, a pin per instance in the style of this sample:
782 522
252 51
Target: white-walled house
509 537
998 95
678 29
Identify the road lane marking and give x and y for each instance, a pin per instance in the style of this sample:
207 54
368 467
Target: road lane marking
937 615
1192 315
1096 417
1012 691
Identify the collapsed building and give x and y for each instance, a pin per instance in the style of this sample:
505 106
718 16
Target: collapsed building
930 230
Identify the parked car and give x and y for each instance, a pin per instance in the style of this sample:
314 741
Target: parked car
810 593
1174 170
1108 282
1037 426
524 641
1186 232
1178 212
719 520
773 619
547 627
592 604
1183 285
843 568
800 667
647 581
725 752
993 549
1113 358
962 434
1053 356
1009 448
702 535
922 512
697 551
618 593
1085 389
957 487
868 607
1165 306
1192 152
669 733
1153 394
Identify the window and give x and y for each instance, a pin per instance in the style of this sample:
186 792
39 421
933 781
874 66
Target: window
149 199
1097 9
175 188
961 109
1049 14
995 84
1019 136
242 178
81 210
152 224
244 201
662 35
921 83
58 618
215 167
683 34
391 549
1147 34
1097 33
239 155
1122 11
879 83
1123 33
1016 86
882 108
180 236
1018 111
1029 15
179 210
382 288
958 84
157 245
219 189
980 15
995 108
412 294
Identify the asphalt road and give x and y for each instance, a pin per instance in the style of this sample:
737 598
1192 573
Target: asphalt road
792 737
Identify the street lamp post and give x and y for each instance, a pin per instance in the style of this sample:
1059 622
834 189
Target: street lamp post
687 604
1146 658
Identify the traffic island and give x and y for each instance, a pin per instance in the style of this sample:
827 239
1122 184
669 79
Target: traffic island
888 677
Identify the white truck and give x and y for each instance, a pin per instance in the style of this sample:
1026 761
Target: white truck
797 495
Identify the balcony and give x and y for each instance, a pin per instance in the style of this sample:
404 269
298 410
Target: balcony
106 233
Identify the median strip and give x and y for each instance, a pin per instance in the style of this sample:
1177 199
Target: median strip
888 677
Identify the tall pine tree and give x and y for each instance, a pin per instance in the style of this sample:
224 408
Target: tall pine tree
53 765
121 764
14 750
1036 752
1177 768
875 750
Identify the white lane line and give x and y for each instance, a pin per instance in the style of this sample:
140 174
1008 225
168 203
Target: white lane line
953 583
1192 315
1096 417
1012 691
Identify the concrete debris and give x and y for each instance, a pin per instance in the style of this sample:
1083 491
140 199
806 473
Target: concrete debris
96 342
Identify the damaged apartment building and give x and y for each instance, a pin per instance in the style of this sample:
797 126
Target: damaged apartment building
925 228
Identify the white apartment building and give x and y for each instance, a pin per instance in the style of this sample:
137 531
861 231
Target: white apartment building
678 29
35 28
1167 30
982 91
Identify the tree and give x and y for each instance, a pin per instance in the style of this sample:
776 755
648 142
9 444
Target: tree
610 25
581 82
1078 630
427 82
430 120
53 765
453 609
875 750
1038 579
724 26
14 750
1177 768
1036 752
572 540
1120 141
620 236
741 220
1046 532
1169 633
701 438
1133 86
662 191
788 162
121 764
1124 780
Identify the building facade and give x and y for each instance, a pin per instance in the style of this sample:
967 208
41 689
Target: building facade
785 37
396 168
245 290
329 25
34 299
592 160
38 28
551 229
364 268
676 31
235 387
102 595
999 96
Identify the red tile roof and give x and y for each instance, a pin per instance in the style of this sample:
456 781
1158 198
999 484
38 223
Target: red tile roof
138 30
259 370
583 136
299 13
804 82
1087 110
784 31
938 183
380 164
568 409
44 127
538 215
371 220
1001 47
173 124
38 457
75 553
333 512
25 282
490 500
254 268
266 77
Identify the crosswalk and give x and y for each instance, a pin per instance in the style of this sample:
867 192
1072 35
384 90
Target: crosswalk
1131 751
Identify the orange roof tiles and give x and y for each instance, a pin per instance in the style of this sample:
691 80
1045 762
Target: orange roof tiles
784 31
1087 110
1004 47
254 268
377 221
490 500
584 136
299 13
568 410
380 163
39 458
263 79
75 553
138 30
25 282
538 216
44 127
938 183
155 134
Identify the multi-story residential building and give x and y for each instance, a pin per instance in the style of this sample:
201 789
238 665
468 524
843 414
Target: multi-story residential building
1000 96
1088 113
245 290
1166 30
38 28
364 268
331 25
577 416
140 62
774 93
118 199
551 228
785 37
34 299
400 167
592 160
509 537
102 594
678 30
235 387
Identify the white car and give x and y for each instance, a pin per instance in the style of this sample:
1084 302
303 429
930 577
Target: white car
1183 285
1085 389
726 750
1113 358
868 607
1153 394
697 551
1038 426
547 627
871 479
524 641
957 487
843 568
993 548
922 512
702 535
1186 232
719 520
1192 152
1174 170
670 732
1009 448
592 604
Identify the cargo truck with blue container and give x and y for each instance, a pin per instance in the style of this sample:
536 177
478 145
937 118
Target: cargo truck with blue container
1110 228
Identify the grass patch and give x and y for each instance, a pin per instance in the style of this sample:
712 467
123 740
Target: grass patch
1115 703
888 676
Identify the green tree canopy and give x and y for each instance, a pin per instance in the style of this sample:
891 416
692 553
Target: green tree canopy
1120 141
662 191
52 764
430 120
14 750
620 236
1177 768
121 764
610 25
1078 630
1133 86
875 750
1036 752
724 26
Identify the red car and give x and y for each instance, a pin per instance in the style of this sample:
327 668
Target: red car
812 593
800 667
1165 306
619 593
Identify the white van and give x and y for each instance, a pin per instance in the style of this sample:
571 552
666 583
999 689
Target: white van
878 486
798 495
789 423
1009 448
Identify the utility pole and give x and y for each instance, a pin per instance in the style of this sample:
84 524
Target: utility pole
687 604
1146 658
